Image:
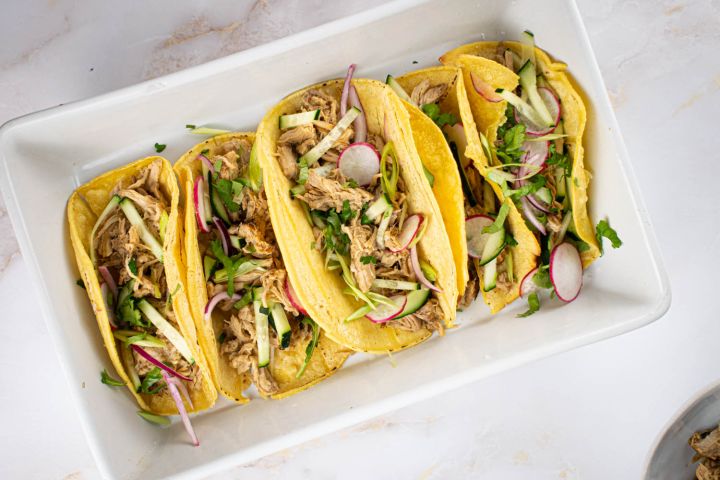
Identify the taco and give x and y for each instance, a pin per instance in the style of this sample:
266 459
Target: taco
449 146
251 327
531 120
125 233
356 221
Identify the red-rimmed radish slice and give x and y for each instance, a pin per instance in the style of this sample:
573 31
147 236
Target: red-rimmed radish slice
527 286
484 89
476 240
552 103
566 273
217 299
411 227
415 263
536 153
181 408
359 162
292 296
384 313
199 201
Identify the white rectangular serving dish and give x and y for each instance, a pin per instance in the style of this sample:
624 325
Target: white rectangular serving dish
47 154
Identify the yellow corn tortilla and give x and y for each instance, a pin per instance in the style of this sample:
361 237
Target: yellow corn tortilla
477 58
437 157
84 207
320 290
328 356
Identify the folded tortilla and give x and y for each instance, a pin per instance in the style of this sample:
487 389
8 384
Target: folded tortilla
320 290
480 59
284 365
84 207
436 156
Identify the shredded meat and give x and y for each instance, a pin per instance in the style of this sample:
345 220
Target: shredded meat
361 245
425 93
263 380
707 446
273 283
288 161
329 107
323 194
471 290
255 238
429 316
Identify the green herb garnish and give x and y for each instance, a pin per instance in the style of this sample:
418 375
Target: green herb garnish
151 379
110 381
603 229
159 147
533 305
152 418
368 259
79 282
310 346
432 110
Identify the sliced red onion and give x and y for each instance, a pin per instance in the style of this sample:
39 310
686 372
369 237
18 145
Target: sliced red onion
217 299
360 123
207 162
105 291
537 203
292 296
530 215
346 90
181 409
183 389
199 201
107 276
224 235
415 262
140 351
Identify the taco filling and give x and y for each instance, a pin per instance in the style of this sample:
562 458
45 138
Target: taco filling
256 315
349 183
126 249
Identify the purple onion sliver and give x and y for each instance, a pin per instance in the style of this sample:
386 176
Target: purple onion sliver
360 123
207 162
224 235
181 409
104 291
346 89
107 276
415 262
530 215
217 299
537 203
158 363
183 390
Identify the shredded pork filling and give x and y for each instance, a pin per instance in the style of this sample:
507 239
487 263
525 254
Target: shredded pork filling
118 247
707 446
341 204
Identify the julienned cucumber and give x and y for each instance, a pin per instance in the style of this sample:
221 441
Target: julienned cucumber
217 204
528 81
490 275
282 326
395 284
166 329
328 141
415 300
209 266
297 119
400 91
522 107
494 245
262 334
128 208
376 209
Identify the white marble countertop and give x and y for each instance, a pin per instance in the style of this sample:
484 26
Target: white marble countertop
591 413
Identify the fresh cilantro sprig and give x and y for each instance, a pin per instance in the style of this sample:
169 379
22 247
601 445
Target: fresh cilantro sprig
603 229
533 305
432 110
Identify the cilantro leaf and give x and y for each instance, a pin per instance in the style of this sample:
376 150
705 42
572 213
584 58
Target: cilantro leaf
151 379
224 189
132 265
559 160
159 147
533 305
432 110
346 214
542 278
110 381
228 264
603 229
368 259
532 185
190 126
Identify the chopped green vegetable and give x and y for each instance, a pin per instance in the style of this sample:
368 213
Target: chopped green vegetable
254 172
224 189
310 346
499 221
152 418
110 381
190 126
303 171
559 159
79 282
389 180
132 265
246 299
542 277
159 147
227 262
368 259
429 176
432 110
206 131
126 309
603 229
428 271
533 305
149 384
346 214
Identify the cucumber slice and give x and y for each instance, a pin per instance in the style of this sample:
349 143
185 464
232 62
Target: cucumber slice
384 223
494 245
490 275
522 107
297 119
209 266
129 362
528 81
509 266
282 326
262 334
114 201
128 208
399 90
221 276
395 284
560 184
527 40
328 141
166 329
235 241
545 195
429 176
217 205
415 300
376 209
489 198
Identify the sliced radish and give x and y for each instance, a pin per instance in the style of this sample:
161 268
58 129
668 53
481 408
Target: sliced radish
552 103
384 313
484 89
359 162
417 270
198 200
534 158
292 296
476 240
411 227
566 271
527 286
